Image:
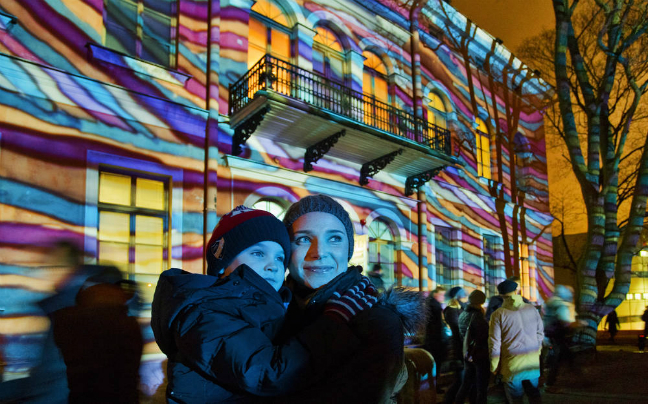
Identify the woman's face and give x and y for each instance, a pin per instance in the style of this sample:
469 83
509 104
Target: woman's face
320 248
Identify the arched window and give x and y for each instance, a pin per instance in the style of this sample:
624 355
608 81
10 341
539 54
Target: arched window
482 143
437 113
268 33
374 86
327 55
374 77
381 250
272 206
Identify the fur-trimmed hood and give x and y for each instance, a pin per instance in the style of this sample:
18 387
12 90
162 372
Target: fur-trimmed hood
408 304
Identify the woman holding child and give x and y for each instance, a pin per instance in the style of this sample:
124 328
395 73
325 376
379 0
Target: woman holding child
221 331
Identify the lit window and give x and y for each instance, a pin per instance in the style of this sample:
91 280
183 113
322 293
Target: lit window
637 296
268 35
629 296
142 28
482 140
375 77
437 111
524 270
133 227
327 38
271 206
643 253
374 86
271 11
645 296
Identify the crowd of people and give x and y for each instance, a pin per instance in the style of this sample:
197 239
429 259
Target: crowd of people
510 339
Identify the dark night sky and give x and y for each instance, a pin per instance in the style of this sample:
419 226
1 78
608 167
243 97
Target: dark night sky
510 20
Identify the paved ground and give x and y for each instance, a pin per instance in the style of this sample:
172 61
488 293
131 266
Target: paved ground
615 374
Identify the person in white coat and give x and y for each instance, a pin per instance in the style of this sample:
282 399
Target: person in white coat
515 340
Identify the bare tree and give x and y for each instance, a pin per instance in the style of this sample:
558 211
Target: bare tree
599 66
495 82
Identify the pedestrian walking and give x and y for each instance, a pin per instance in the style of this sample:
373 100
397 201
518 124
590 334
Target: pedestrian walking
495 302
611 324
451 314
515 339
436 337
375 276
559 322
474 333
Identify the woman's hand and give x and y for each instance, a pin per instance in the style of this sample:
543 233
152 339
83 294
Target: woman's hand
360 297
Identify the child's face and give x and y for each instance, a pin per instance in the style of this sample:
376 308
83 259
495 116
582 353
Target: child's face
266 259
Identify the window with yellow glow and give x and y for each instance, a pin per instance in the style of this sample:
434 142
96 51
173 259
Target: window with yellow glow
524 270
374 86
133 227
327 38
482 143
271 11
437 111
268 33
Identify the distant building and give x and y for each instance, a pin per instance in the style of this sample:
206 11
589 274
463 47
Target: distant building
131 126
631 309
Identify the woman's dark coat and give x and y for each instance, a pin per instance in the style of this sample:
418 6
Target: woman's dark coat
218 335
435 335
474 318
375 371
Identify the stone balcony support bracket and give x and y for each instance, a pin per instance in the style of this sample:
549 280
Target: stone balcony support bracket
413 182
319 149
373 167
243 132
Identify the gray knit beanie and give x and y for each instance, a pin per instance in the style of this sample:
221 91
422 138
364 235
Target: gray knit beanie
320 203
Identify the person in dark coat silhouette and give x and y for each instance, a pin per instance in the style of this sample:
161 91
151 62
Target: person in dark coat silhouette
474 332
612 322
451 314
101 346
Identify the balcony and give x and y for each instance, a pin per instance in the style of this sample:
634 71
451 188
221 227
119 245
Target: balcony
282 102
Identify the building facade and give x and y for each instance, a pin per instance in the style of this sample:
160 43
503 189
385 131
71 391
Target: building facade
130 126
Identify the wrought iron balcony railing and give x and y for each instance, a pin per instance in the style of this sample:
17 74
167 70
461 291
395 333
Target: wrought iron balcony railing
270 73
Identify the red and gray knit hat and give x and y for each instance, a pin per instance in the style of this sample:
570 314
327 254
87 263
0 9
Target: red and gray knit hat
240 229
320 203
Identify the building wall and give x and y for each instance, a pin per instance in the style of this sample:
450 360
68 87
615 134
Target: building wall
636 302
71 107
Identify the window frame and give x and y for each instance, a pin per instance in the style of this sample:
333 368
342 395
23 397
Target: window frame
275 201
490 243
448 252
328 52
434 113
270 25
373 74
139 31
484 168
133 211
389 274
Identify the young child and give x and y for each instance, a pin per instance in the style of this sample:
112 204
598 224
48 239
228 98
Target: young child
217 329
